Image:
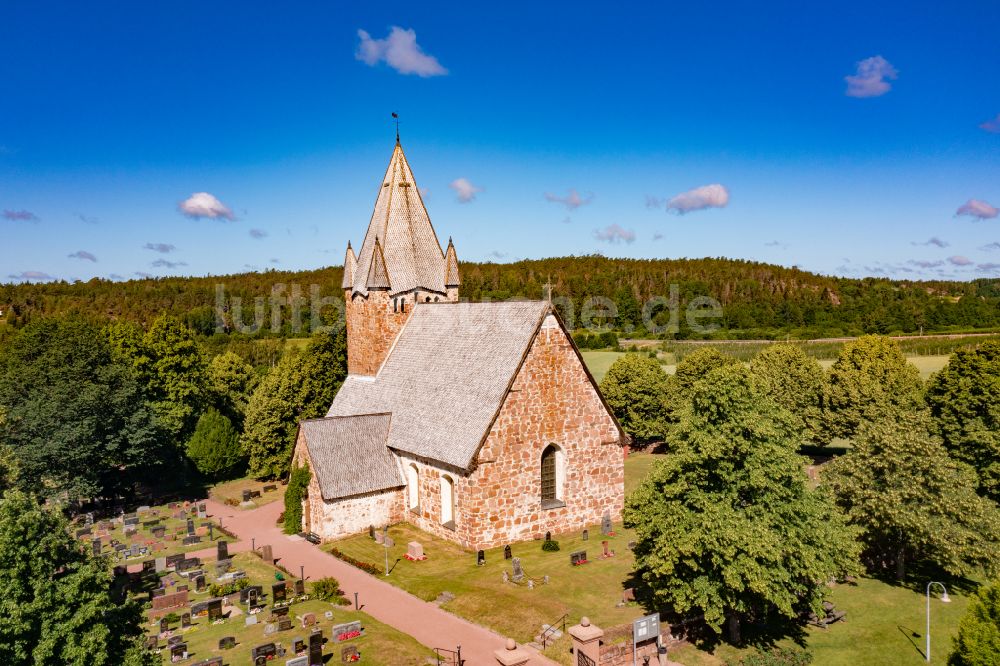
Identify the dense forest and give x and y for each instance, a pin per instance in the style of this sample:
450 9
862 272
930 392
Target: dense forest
758 300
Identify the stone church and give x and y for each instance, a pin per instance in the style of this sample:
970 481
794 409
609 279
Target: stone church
477 422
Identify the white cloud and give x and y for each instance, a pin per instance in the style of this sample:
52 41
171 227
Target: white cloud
203 204
988 267
870 78
258 233
922 263
959 260
83 254
700 198
31 276
934 240
163 263
614 234
572 200
162 248
992 126
400 51
977 209
465 191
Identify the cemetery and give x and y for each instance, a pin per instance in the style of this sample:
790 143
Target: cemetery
242 610
247 493
150 532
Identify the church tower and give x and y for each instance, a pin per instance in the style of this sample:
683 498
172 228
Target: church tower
400 264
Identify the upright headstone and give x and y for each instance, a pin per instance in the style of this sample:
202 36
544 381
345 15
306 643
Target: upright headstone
316 648
202 511
190 527
185 620
246 495
606 524
518 571
308 620
349 654
95 547
480 558
164 625
586 535
267 554
221 551
389 543
227 642
371 531
298 661
506 552
300 587
199 583
548 536
279 592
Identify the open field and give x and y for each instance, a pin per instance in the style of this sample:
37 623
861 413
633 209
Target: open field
598 363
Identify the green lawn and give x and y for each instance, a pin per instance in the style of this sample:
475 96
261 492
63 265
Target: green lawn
380 644
231 492
173 540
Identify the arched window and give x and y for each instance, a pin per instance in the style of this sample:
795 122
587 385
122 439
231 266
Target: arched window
552 477
447 501
395 305
413 487
427 299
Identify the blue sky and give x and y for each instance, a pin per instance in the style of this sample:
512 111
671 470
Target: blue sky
673 130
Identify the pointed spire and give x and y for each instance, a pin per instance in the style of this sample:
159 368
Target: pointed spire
378 276
412 254
451 277
350 264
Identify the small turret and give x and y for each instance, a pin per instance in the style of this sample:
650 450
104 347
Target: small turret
378 275
452 281
350 264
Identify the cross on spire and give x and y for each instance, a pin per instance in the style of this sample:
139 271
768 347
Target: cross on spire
548 290
396 117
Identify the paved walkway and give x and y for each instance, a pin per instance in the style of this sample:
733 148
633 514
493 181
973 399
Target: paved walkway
424 621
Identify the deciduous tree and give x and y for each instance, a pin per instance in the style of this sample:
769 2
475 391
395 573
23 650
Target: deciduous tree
796 382
635 387
913 501
692 369
964 398
978 640
214 448
726 525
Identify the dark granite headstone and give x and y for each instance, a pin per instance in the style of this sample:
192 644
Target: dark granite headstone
227 642
190 527
95 547
578 557
279 592
185 620
606 524
371 531
548 536
246 495
284 624
199 583
480 558
178 652
164 625
349 654
506 552
214 609
586 535
316 649
300 587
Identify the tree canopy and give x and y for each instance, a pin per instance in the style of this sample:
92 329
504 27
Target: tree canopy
214 448
978 640
870 380
796 382
964 398
634 388
914 502
76 422
726 525
58 605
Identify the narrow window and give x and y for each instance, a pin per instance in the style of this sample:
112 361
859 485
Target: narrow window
402 305
427 299
395 305
551 477
447 502
413 487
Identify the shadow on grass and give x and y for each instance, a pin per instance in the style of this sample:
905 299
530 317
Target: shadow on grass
919 575
910 635
764 631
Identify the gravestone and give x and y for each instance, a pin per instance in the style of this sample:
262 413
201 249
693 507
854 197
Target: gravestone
298 661
86 531
172 561
134 552
164 625
227 642
548 536
178 652
174 640
349 654
221 551
160 564
158 592
371 531
415 551
270 488
346 631
191 539
606 524
148 565
578 557
607 553
506 552
299 645
185 620
389 543
174 600
279 592
518 572
284 624
300 587
188 563
214 609
267 554
190 527
199 583
152 642
88 518
202 511
308 620
270 628
267 651
249 620
211 532
586 535
246 495
379 537
222 566
131 519
95 547
254 494
250 595
506 578
278 612
480 558
182 588
316 648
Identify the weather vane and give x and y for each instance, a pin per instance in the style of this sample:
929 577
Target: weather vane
396 117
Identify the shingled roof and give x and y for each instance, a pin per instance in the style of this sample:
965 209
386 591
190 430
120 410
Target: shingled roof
411 252
446 377
349 454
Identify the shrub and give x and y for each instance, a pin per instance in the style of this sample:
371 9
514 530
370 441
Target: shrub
373 569
327 589
298 481
550 545
792 656
217 590
978 640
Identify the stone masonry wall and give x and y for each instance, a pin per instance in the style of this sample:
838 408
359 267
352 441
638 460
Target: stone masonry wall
428 518
332 519
372 327
551 402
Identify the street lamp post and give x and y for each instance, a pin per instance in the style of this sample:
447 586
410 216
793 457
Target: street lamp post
944 599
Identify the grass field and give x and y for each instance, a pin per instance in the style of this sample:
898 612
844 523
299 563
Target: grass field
598 363
884 625
172 541
231 492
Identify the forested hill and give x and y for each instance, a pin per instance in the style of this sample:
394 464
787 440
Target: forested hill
759 300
